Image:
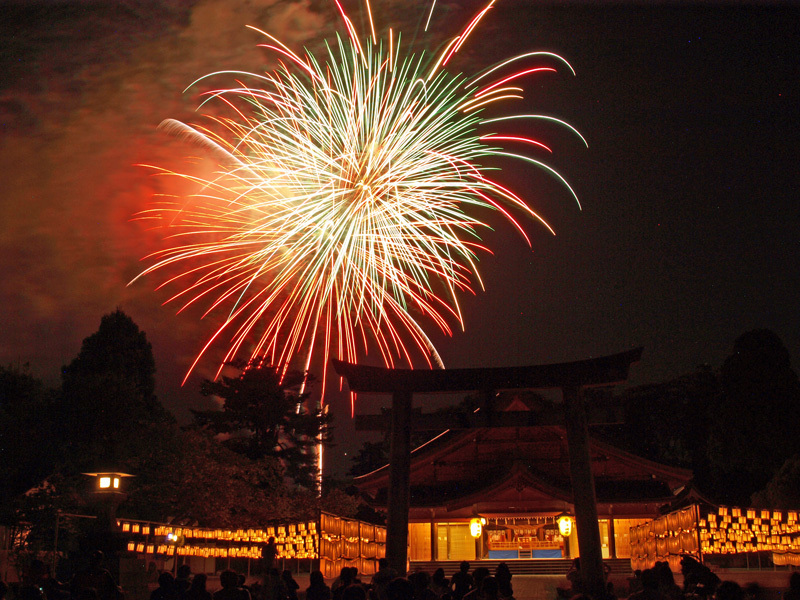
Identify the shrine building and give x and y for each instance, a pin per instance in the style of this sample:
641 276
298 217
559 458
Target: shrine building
515 482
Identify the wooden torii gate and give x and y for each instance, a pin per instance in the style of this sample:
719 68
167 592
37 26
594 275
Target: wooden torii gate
571 378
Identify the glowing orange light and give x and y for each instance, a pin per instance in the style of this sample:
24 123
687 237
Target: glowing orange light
565 525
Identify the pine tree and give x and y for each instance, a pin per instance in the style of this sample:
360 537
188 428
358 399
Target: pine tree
264 414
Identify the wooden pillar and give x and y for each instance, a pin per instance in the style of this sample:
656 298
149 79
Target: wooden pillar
399 480
580 465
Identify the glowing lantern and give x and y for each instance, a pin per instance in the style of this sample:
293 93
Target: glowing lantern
107 482
476 526
565 525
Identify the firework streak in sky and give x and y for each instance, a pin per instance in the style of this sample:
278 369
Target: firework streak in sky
342 214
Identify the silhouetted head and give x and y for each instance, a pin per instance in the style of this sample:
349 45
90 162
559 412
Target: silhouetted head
166 579
664 573
420 579
489 587
650 579
753 591
503 572
316 578
730 590
229 579
354 591
199 581
688 564
400 588
479 574
464 566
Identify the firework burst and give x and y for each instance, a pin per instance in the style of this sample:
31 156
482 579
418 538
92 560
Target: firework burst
342 216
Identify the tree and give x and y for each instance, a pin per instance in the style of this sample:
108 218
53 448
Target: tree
371 456
264 414
668 422
117 346
27 444
754 422
190 477
783 490
106 416
108 394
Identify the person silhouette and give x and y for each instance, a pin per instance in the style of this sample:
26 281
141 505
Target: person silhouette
96 577
461 582
166 590
317 589
197 590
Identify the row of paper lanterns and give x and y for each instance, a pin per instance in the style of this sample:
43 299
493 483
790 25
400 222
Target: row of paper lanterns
289 533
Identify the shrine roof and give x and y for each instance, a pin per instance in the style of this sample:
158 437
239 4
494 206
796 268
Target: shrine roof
457 456
520 484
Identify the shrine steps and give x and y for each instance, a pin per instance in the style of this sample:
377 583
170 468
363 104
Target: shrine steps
518 566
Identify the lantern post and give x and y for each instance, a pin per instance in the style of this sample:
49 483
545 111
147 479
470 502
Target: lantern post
108 492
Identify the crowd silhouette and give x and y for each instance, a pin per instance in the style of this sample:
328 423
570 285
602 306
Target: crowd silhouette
95 582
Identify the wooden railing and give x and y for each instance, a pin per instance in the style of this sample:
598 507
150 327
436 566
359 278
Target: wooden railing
524 544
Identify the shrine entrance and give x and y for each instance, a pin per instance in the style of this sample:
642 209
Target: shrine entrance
571 378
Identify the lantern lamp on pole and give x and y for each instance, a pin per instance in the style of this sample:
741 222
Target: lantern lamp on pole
108 482
108 491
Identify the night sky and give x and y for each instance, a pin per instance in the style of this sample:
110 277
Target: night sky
688 235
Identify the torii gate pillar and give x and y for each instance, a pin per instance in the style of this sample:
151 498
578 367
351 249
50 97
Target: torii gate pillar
583 494
399 482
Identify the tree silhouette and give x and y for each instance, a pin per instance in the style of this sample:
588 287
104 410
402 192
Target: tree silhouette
108 393
783 490
668 422
371 456
264 414
190 477
754 424
28 447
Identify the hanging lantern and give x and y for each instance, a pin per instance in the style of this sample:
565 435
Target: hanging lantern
565 525
476 526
